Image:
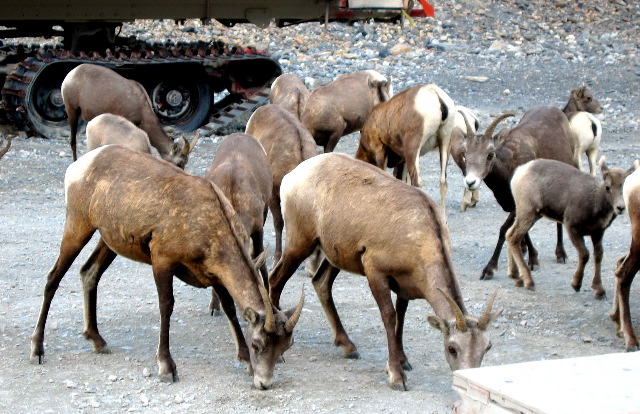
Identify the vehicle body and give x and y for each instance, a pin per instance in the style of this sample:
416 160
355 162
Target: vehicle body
181 79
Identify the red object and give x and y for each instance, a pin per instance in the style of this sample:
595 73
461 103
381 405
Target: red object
427 10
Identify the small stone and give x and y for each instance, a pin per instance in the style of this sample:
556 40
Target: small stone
480 79
400 48
113 378
146 373
70 384
587 339
178 399
506 92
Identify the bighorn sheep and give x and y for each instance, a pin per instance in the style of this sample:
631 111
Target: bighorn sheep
543 132
338 203
153 212
108 129
581 99
587 130
586 207
90 90
400 130
465 119
342 106
628 265
289 92
242 172
6 147
287 144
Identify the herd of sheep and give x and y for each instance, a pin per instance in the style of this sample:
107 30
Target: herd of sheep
208 231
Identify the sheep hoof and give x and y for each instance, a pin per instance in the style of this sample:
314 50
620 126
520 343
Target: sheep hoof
407 366
352 355
633 348
487 273
398 386
518 282
600 294
576 287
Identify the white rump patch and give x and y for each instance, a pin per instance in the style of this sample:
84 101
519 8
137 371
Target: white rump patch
300 175
78 169
631 184
520 172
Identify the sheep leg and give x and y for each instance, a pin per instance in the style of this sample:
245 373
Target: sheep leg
70 247
313 262
533 253
521 274
621 315
163 276
401 310
444 160
583 258
323 284
475 197
379 285
561 254
278 223
230 310
490 268
592 154
90 274
332 142
412 165
466 199
257 248
598 252
286 267
214 304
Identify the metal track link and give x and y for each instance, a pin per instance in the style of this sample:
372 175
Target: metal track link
235 110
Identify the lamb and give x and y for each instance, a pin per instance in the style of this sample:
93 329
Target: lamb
628 265
587 206
90 90
108 129
543 132
287 144
341 107
400 130
467 123
182 225
367 222
289 92
587 130
242 172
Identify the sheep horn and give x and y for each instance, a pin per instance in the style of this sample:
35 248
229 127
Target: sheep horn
293 320
461 323
486 315
468 133
270 320
489 133
193 141
6 148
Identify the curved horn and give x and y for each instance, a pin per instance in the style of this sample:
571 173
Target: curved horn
489 133
5 149
486 315
461 323
270 320
468 133
194 141
293 320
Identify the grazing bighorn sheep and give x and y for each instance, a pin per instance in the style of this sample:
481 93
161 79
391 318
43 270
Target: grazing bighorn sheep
289 92
543 132
242 172
90 90
628 265
182 225
400 130
587 130
467 123
287 144
338 203
108 129
6 147
341 107
586 207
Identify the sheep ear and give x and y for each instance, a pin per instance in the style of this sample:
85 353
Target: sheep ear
439 323
634 167
251 316
603 165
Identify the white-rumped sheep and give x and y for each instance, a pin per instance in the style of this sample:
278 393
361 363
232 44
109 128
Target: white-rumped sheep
584 204
182 225
628 265
400 130
289 92
342 107
113 129
587 130
467 124
242 172
90 90
287 144
369 223
543 132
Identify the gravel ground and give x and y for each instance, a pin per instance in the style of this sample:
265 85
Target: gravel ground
490 56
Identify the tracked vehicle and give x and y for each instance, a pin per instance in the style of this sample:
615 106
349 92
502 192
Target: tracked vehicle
181 79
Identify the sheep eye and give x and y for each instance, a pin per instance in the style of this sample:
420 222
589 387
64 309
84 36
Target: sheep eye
453 352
